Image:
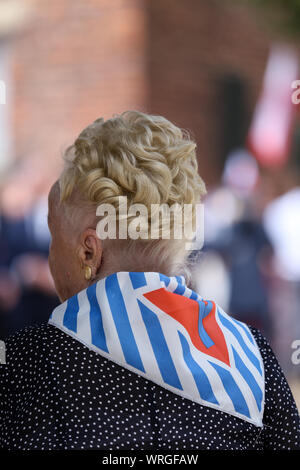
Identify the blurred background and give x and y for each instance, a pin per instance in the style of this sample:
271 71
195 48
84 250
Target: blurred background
223 69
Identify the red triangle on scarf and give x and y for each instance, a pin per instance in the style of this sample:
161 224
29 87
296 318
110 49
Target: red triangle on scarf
186 312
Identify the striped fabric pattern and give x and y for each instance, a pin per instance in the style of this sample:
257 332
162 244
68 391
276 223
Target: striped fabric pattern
157 327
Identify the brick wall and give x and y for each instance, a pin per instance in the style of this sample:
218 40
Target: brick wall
74 62
77 60
192 45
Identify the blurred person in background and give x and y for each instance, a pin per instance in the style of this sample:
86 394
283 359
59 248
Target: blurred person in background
281 220
27 294
235 240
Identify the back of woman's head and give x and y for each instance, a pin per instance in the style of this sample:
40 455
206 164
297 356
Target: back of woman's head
144 158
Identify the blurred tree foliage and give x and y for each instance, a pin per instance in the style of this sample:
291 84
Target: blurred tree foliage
283 14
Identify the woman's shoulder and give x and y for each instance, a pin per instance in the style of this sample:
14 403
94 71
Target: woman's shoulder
281 416
29 338
24 355
40 348
273 372
34 345
261 340
268 355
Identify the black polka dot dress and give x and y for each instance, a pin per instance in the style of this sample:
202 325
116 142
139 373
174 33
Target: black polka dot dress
56 393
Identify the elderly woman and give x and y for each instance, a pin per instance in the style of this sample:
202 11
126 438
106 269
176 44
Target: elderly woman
133 358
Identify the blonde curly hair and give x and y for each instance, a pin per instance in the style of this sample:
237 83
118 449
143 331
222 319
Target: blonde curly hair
143 157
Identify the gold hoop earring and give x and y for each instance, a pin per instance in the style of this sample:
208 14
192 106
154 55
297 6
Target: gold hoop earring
87 273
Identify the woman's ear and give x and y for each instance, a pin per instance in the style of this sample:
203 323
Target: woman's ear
90 251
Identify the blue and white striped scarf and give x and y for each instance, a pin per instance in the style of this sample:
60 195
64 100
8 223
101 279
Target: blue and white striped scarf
157 327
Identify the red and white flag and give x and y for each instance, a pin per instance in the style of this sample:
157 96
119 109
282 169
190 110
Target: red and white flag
269 137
